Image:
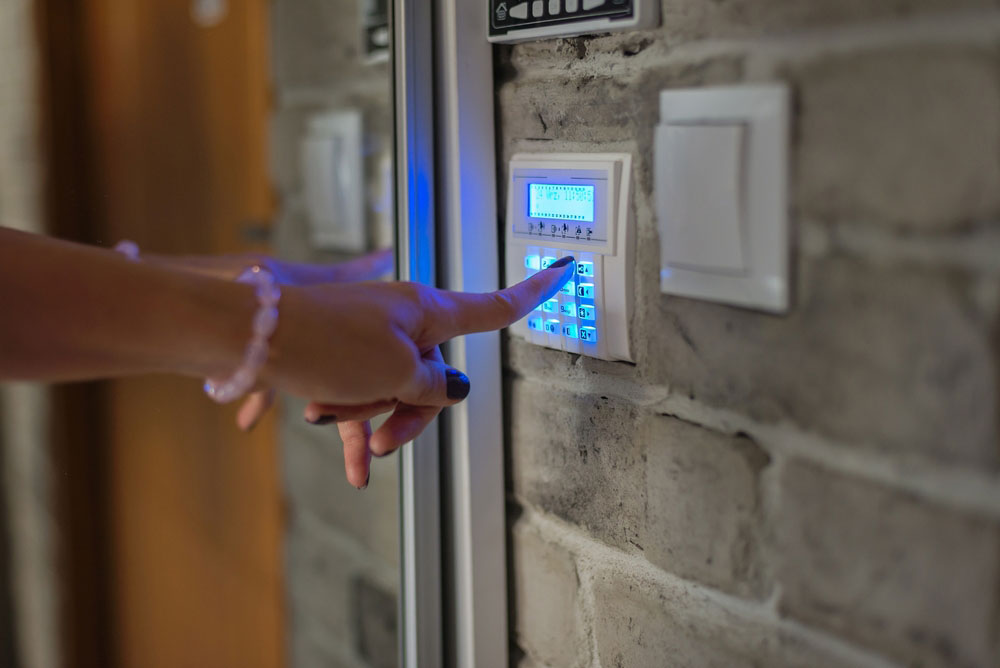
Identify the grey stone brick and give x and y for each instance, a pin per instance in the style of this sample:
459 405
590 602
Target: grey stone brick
579 457
638 622
319 584
891 358
703 505
313 461
903 137
314 40
375 608
545 601
888 570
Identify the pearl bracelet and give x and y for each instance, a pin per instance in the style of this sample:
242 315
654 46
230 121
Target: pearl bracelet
265 321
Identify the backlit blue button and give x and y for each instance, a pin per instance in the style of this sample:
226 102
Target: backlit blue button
568 309
551 306
552 326
535 324
569 331
585 290
586 312
547 261
568 288
585 268
532 262
588 334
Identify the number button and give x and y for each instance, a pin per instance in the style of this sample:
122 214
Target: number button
547 261
585 290
568 288
552 326
551 306
535 324
585 268
532 262
569 331
568 309
586 312
588 334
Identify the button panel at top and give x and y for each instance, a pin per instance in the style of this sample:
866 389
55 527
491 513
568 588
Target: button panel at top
506 14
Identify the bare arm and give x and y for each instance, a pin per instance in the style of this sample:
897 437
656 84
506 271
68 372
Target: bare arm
72 312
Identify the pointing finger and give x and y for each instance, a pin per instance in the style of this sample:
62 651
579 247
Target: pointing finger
465 313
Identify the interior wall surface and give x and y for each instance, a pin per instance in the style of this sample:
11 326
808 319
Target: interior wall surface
814 489
26 459
341 547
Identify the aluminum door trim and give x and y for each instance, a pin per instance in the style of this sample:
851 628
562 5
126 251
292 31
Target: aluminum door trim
420 637
476 600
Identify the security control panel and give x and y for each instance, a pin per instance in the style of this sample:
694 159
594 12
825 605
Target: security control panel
574 204
523 20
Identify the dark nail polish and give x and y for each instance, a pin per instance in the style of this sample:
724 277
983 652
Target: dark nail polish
563 261
458 384
367 479
322 420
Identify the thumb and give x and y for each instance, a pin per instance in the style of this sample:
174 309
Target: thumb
436 384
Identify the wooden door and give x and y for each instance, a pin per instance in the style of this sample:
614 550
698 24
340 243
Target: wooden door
178 131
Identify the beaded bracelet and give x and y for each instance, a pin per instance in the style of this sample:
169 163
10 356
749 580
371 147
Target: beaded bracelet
265 321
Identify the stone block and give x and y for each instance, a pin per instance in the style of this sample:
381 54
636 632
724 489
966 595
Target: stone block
314 41
643 622
901 137
888 570
319 584
376 612
890 358
546 605
703 515
579 457
313 462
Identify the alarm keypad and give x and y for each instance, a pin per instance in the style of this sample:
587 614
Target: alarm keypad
571 319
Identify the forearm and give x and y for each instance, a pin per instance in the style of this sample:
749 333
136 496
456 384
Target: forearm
72 312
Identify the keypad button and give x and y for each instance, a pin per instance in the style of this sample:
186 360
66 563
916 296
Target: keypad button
553 7
568 309
572 5
569 331
547 261
586 312
584 268
551 306
535 324
585 290
532 262
519 11
537 7
568 288
552 326
592 4
588 334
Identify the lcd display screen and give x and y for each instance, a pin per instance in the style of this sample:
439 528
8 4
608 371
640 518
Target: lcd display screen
561 202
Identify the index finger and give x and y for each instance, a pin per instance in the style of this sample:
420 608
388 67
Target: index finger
466 313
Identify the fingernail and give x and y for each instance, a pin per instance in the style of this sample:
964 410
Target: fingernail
563 261
367 480
458 384
322 420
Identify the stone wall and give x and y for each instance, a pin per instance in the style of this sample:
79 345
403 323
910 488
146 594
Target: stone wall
341 549
25 459
815 489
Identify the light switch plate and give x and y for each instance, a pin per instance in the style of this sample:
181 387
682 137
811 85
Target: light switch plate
574 204
698 255
333 176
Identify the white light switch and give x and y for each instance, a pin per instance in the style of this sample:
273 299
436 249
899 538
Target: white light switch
333 175
721 182
702 196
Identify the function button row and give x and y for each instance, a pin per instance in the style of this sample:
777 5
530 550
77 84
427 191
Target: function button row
537 7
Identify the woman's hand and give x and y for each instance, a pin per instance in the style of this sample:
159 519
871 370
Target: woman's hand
369 267
367 348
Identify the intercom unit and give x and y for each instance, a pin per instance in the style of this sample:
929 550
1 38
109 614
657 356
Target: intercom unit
579 205
523 20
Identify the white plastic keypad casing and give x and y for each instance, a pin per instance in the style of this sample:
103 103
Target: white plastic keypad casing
591 314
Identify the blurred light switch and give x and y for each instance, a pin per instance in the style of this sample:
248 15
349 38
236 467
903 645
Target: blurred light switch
333 176
700 196
721 192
